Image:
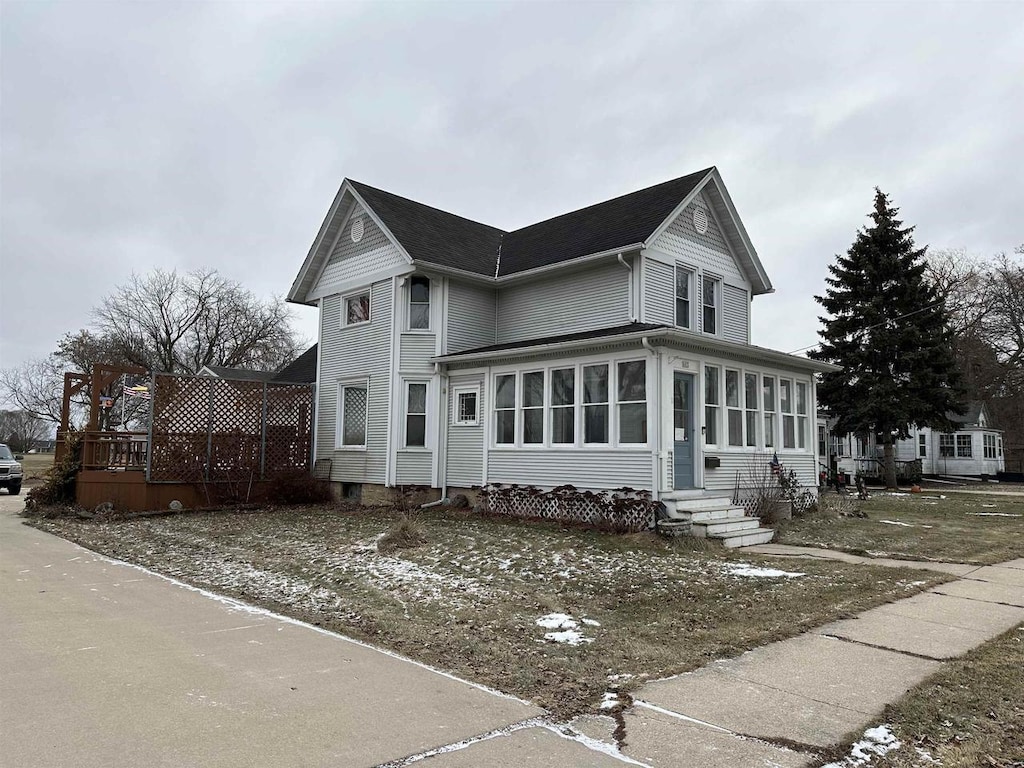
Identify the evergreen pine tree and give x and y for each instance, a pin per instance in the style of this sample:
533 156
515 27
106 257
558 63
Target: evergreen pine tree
887 329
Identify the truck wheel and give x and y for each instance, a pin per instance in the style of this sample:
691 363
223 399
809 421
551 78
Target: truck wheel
14 489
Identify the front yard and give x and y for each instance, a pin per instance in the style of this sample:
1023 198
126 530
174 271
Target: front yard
935 525
555 615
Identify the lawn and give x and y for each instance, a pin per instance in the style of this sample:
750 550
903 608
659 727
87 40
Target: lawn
469 600
970 713
35 465
945 525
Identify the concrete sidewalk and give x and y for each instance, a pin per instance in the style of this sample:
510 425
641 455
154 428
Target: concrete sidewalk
104 664
813 690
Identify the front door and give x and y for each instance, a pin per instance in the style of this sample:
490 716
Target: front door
682 423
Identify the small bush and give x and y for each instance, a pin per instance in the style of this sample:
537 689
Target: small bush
56 496
407 533
298 488
839 506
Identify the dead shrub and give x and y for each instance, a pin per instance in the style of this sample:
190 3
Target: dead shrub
839 506
298 488
56 496
407 533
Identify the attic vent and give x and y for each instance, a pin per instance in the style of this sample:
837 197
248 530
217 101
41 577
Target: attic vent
357 229
700 220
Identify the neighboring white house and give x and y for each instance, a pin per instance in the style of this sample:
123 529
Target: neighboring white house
975 449
608 347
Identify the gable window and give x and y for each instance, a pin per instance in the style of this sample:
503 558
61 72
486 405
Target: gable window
709 305
505 409
732 403
801 415
356 309
595 404
533 407
467 401
922 446
963 446
711 403
632 397
946 445
768 395
352 405
416 415
563 406
750 403
684 279
419 302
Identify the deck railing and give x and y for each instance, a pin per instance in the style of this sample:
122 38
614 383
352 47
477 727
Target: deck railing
115 450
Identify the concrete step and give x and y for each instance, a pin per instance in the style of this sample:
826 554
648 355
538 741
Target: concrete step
747 538
706 516
702 504
717 527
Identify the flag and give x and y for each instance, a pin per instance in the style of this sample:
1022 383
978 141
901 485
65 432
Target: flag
139 391
775 465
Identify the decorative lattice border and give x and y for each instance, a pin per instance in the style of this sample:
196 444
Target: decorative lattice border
623 510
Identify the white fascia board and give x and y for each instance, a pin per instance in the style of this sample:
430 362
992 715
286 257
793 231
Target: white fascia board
755 260
681 339
294 292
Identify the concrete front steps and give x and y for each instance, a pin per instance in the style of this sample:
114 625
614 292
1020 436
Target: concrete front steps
718 518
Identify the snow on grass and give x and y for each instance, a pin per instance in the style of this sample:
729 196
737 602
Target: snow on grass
993 514
745 569
566 629
610 700
904 525
557 621
876 742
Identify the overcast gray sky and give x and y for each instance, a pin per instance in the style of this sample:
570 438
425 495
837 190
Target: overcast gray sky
137 135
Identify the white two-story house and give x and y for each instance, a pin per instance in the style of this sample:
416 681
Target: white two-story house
604 348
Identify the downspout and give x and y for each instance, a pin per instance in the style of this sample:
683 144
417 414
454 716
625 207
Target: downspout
656 426
632 309
442 430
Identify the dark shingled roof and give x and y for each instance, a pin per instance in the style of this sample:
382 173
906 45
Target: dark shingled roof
600 333
241 374
970 417
301 370
437 237
612 224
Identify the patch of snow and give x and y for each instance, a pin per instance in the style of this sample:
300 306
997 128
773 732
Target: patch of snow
568 636
897 522
990 506
992 514
591 622
876 742
895 493
609 701
557 621
745 569
627 676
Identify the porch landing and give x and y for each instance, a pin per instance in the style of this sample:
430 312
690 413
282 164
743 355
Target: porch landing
716 517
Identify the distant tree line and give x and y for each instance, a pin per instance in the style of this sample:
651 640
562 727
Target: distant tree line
164 321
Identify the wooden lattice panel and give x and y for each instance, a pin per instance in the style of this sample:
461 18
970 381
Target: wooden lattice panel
619 512
221 431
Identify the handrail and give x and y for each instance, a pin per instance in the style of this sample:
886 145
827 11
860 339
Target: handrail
115 450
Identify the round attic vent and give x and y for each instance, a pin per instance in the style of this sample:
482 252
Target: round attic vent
357 229
700 220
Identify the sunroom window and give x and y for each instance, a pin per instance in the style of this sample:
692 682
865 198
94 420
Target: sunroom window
734 416
711 403
946 449
563 406
788 423
801 415
963 446
750 403
632 392
533 407
505 409
768 398
595 404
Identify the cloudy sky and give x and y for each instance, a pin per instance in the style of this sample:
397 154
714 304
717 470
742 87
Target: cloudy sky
215 134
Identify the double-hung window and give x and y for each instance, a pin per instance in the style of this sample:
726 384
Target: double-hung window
533 408
563 406
711 405
786 403
505 409
632 399
595 404
750 403
946 445
734 416
801 415
709 304
419 303
684 281
352 405
922 446
356 309
416 415
768 398
963 446
990 446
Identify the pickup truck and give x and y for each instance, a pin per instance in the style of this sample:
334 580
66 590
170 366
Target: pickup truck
10 471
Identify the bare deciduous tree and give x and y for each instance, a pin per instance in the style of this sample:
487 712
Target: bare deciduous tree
20 430
177 323
35 387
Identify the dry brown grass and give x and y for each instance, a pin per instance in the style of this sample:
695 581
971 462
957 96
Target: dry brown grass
468 599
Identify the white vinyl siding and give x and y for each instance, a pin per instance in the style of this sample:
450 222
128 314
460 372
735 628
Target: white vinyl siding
352 263
586 469
471 318
567 303
465 449
415 352
723 478
346 353
735 314
708 251
659 293
413 468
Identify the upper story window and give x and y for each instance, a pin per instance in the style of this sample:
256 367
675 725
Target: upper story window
419 303
684 281
710 290
356 309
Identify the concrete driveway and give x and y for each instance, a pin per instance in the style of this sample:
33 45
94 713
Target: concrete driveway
105 664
